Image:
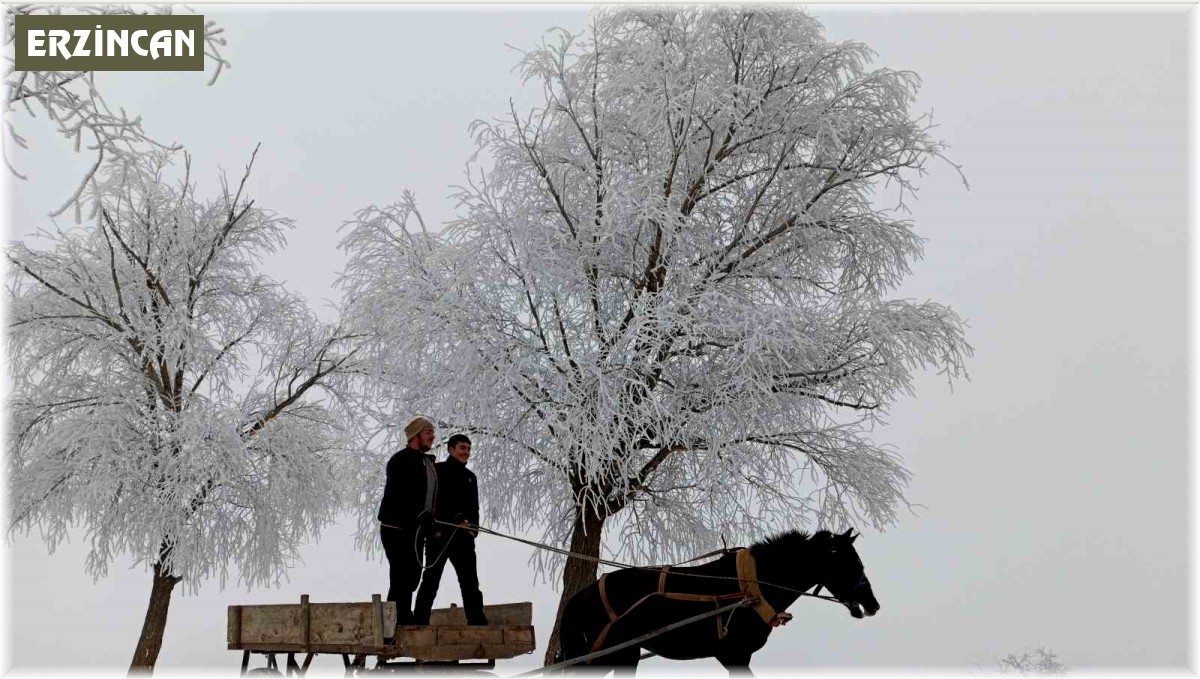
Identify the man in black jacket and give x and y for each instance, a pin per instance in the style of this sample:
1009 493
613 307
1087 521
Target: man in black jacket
457 502
406 514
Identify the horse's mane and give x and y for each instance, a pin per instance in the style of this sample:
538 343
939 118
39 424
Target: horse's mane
788 543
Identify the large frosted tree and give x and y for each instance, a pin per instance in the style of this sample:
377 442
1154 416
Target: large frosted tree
664 308
167 398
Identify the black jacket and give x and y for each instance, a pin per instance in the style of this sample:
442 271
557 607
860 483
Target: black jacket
458 496
404 492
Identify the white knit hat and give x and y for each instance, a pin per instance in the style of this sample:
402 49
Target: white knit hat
415 427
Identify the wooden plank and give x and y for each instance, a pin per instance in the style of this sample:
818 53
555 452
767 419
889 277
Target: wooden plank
234 631
463 642
267 624
377 620
346 624
497 614
470 635
479 651
430 651
389 615
518 635
416 635
356 649
305 620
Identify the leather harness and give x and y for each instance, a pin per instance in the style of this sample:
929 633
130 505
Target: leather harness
747 574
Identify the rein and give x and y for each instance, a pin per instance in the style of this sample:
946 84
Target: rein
426 565
618 564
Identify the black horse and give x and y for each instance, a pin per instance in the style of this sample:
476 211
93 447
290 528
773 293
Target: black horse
642 600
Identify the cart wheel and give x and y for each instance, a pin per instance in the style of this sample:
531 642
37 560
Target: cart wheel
264 672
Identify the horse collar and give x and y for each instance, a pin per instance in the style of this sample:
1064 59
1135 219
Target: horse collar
747 573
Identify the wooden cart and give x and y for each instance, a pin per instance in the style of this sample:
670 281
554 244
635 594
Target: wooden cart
358 630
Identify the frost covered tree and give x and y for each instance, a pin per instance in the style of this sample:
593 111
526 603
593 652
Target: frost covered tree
74 102
167 398
664 305
1032 662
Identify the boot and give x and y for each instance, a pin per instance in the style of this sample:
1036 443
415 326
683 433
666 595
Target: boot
473 607
423 609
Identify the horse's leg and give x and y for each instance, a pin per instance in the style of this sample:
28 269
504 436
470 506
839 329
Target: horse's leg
582 619
624 662
737 662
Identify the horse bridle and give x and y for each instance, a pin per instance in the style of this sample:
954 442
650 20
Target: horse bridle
862 580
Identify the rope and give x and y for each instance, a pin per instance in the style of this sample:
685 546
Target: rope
619 564
531 543
417 547
633 642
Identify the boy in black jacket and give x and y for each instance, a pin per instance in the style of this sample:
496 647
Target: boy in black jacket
457 502
406 513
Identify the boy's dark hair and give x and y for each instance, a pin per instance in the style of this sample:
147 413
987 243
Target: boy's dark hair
457 439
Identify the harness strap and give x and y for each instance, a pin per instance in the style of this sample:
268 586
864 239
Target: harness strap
747 573
679 596
715 599
612 615
613 618
662 591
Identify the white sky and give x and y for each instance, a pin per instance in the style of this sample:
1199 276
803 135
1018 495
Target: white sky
1053 484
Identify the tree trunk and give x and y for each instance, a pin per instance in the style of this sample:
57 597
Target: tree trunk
150 642
578 573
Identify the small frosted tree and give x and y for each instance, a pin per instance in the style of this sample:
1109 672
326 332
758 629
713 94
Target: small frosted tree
75 104
165 395
664 306
1032 662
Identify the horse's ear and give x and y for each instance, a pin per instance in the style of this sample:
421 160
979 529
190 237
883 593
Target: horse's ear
849 535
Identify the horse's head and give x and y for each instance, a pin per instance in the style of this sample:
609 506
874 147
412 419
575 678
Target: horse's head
844 576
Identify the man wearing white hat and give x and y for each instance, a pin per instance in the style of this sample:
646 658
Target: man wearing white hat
407 507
